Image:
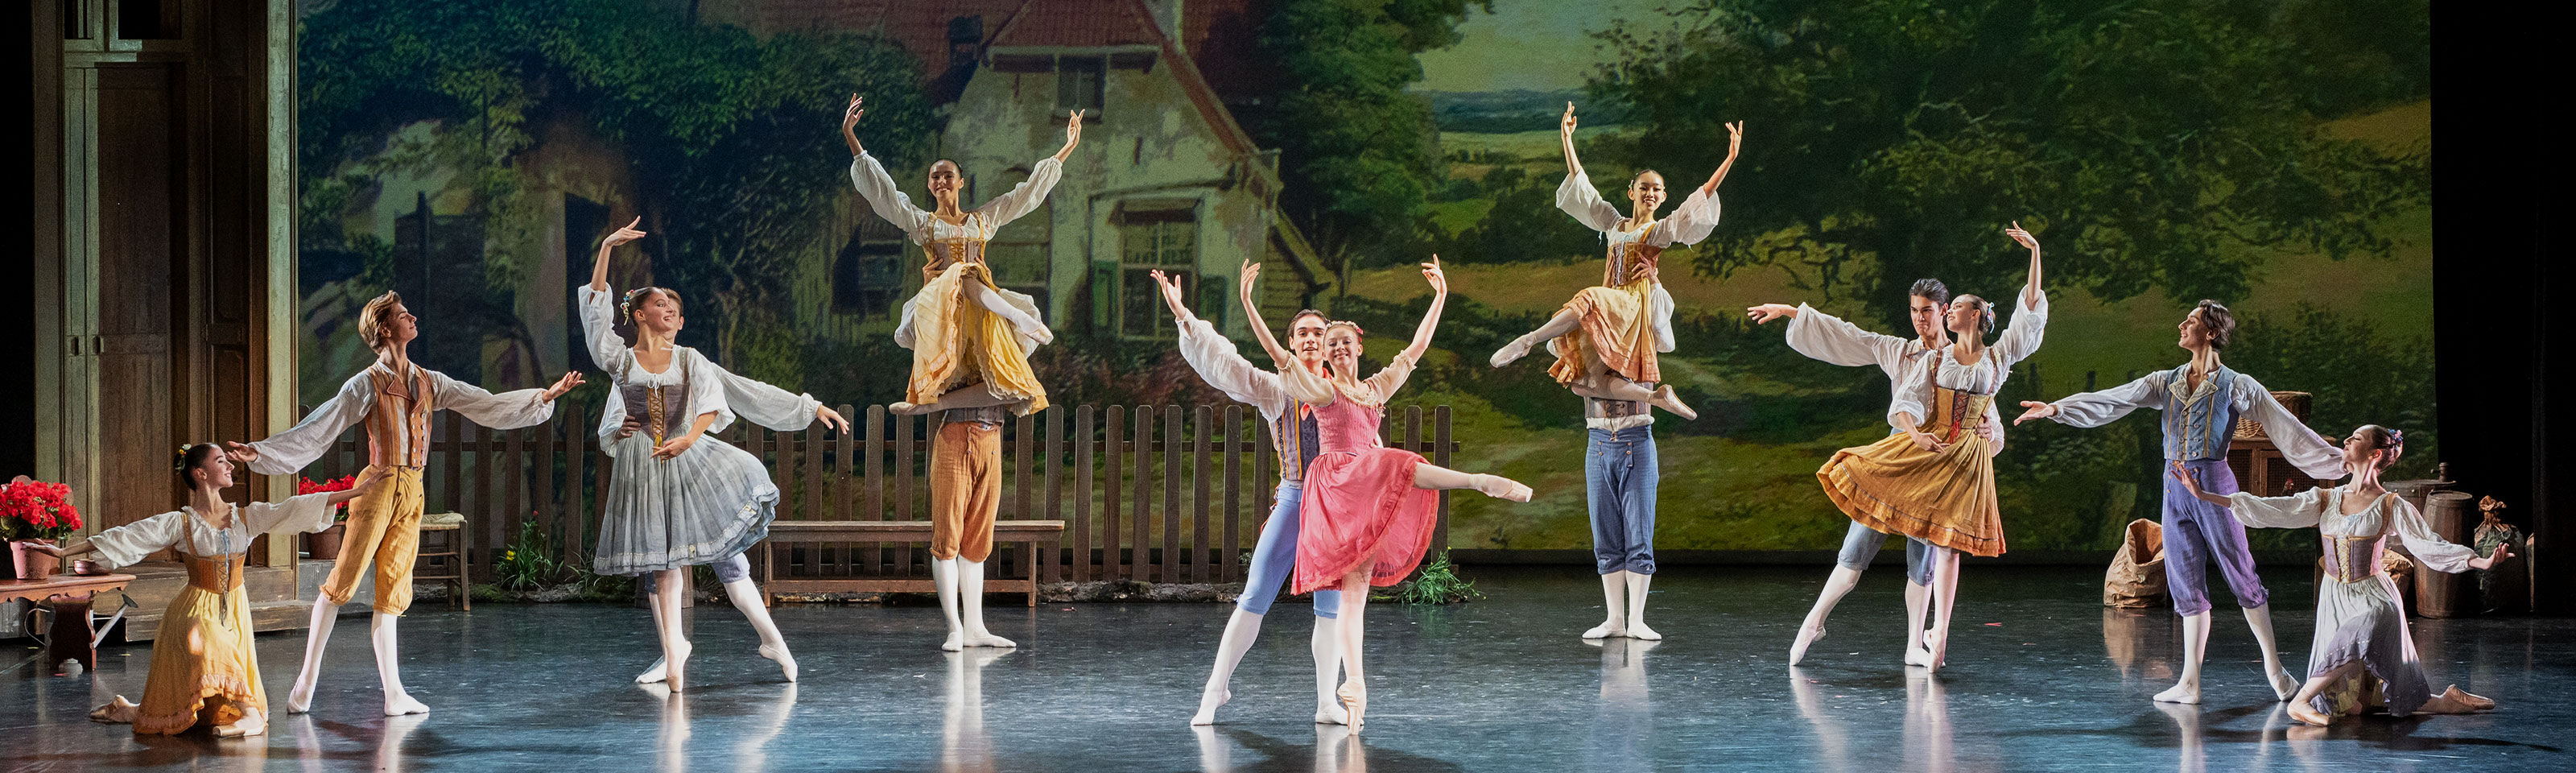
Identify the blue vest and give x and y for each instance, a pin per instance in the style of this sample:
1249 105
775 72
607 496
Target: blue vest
2198 428
1295 434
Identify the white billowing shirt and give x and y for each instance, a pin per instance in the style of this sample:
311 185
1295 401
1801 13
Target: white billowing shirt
289 451
1827 338
2019 341
1690 222
896 207
712 389
1217 362
2322 507
181 528
2300 445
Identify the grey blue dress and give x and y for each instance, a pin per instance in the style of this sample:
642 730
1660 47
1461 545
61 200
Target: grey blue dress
710 503
2358 618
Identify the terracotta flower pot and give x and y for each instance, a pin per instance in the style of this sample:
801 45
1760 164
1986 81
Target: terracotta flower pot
324 545
33 564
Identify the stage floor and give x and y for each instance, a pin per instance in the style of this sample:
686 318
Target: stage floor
2041 678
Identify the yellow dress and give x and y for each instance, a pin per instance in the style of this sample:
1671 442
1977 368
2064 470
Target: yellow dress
1612 321
205 668
1944 497
955 341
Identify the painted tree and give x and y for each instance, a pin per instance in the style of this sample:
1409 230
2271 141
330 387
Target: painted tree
1358 153
2151 144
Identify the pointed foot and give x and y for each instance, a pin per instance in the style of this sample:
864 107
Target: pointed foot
655 674
956 641
2309 715
786 660
1807 635
2284 685
1208 701
1515 350
1670 400
2187 693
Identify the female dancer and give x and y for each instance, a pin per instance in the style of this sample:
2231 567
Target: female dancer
2363 652
970 339
1829 338
678 498
1605 339
1368 510
1292 428
1935 480
205 669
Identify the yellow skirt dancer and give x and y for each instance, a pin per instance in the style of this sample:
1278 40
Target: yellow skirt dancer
205 668
1944 497
957 342
1612 326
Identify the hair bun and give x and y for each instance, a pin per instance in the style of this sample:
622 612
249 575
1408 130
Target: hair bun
179 461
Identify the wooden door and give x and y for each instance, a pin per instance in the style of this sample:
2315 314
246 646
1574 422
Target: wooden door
142 210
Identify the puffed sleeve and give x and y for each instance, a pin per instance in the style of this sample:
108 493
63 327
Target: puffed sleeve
767 405
124 545
1577 197
289 451
1392 377
1217 362
1690 222
1659 316
709 391
2429 548
508 410
2094 409
1827 338
2029 323
598 329
297 515
1025 197
2300 445
889 202
2296 511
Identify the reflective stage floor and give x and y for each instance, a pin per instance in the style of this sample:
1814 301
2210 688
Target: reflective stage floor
2041 678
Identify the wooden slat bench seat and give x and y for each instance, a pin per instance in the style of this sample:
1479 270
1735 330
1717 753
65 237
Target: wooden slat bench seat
1041 537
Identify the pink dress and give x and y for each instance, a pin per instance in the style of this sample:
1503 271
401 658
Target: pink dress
1360 507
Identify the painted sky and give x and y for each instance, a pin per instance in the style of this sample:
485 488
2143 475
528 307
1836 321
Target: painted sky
1541 45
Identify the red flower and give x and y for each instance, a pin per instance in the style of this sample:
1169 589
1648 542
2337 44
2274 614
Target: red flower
38 510
342 483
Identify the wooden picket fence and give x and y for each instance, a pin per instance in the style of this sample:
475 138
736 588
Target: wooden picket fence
1149 493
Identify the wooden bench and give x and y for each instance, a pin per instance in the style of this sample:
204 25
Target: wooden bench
1041 538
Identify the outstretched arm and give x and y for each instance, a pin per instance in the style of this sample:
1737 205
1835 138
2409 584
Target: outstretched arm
1565 137
1734 143
1172 295
2031 291
1072 136
599 268
1279 355
1430 318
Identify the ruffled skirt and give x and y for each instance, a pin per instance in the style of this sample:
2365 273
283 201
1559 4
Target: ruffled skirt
710 503
1944 498
1611 323
204 667
1362 510
2360 621
956 342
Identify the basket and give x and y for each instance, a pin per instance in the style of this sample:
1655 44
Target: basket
2296 402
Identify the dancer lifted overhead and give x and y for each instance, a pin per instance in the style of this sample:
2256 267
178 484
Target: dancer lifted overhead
1605 339
2201 401
1935 480
970 342
2363 654
393 399
205 668
678 497
1828 338
1293 430
1368 510
970 339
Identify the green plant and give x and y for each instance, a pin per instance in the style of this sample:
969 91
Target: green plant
1437 583
528 562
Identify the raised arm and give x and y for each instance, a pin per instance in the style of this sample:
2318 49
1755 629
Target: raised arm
2032 295
1072 136
1279 356
599 267
1565 138
1431 317
1831 339
1734 144
849 125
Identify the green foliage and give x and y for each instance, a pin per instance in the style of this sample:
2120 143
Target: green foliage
1902 136
730 135
529 562
1357 152
1437 582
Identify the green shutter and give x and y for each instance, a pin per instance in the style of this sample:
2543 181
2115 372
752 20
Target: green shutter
1104 297
1214 300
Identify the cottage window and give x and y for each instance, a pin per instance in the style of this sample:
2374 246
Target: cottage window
1079 81
1154 234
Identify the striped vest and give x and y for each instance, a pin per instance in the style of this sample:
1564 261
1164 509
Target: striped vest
387 422
1294 433
2198 426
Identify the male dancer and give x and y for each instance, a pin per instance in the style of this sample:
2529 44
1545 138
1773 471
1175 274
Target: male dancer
1830 339
1274 556
1619 478
965 498
2201 400
393 399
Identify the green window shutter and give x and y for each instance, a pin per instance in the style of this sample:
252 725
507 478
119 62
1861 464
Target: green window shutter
1214 301
1104 297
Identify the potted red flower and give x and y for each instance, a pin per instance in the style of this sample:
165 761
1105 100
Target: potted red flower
324 545
36 511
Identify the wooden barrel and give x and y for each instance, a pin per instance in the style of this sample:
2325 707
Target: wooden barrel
2439 593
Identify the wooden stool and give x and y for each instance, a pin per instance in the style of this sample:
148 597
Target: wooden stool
73 635
445 561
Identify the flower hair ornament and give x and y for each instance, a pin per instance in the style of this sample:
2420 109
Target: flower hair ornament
2396 438
179 463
